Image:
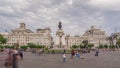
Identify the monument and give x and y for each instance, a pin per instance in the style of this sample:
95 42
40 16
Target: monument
60 37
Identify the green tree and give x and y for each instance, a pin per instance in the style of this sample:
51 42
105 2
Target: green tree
2 39
118 42
105 46
1 47
31 45
74 46
112 47
23 47
101 46
81 46
85 42
39 46
90 45
7 46
12 47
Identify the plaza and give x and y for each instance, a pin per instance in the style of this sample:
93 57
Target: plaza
106 59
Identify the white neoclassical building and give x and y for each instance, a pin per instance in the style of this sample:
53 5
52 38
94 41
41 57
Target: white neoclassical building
23 36
93 35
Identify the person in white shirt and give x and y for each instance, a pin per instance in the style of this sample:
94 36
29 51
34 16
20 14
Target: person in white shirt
64 57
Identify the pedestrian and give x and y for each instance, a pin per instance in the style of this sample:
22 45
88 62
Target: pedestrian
77 55
64 51
16 58
8 59
72 54
96 52
21 53
64 57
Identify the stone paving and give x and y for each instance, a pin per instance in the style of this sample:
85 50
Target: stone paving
108 59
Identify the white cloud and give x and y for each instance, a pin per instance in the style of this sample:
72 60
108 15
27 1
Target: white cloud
70 2
76 15
6 9
105 4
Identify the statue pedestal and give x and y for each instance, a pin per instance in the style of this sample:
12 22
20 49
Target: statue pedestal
60 42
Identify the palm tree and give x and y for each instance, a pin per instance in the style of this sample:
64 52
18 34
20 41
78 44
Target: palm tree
112 38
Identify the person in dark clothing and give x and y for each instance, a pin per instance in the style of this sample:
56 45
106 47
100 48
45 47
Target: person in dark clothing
21 54
64 51
96 53
72 54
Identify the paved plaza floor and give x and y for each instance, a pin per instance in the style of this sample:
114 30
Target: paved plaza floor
107 59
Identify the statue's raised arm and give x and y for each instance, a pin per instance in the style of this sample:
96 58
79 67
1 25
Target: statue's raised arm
60 25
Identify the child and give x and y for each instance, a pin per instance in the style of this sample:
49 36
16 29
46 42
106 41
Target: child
77 55
64 57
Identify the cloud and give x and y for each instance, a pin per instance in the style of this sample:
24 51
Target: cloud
76 15
6 9
105 4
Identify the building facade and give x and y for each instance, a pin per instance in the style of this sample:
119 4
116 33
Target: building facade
23 36
93 35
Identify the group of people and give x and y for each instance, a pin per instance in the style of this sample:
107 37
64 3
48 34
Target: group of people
13 57
73 54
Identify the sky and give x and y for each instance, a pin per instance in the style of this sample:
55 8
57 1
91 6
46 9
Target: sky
76 15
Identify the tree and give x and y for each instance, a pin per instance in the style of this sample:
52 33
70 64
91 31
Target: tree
2 39
105 46
74 46
101 46
23 47
1 47
31 45
90 45
118 42
85 42
7 46
39 46
81 46
12 47
112 38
